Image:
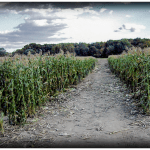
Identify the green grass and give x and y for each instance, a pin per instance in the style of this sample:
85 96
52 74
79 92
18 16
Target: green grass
26 83
134 69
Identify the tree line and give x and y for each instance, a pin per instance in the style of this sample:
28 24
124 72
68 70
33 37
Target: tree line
97 49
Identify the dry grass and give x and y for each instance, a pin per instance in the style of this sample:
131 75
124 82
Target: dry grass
84 57
133 50
147 50
25 58
114 56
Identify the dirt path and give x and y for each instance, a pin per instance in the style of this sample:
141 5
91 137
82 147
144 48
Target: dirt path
98 112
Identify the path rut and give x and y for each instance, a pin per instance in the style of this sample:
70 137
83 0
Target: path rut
98 112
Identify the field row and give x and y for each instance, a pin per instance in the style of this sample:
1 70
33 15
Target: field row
134 69
24 86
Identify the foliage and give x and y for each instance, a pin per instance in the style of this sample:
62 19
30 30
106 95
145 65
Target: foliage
29 50
67 47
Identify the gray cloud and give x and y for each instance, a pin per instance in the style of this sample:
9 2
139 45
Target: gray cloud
30 32
124 26
132 29
116 30
45 5
120 28
70 5
25 5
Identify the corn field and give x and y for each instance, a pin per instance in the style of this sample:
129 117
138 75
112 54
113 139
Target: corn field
26 83
134 69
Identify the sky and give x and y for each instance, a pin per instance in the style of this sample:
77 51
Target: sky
22 23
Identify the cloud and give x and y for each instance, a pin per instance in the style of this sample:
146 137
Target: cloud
39 27
30 32
126 3
102 10
45 5
137 28
6 31
111 12
61 22
24 5
119 29
116 30
42 22
131 27
88 29
128 16
124 26
75 13
2 4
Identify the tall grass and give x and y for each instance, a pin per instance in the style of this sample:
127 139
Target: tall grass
134 69
1 123
26 82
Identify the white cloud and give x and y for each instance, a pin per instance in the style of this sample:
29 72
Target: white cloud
73 13
137 27
69 13
42 22
87 30
90 11
38 12
27 18
26 10
111 12
102 10
13 11
44 12
132 27
6 31
128 16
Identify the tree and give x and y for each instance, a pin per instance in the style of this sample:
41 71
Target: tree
19 51
125 42
2 52
110 50
56 49
92 50
27 51
83 49
136 41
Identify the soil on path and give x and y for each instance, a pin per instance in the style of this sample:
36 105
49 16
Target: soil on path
98 112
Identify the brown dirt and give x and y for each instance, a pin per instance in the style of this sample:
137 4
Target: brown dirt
98 112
